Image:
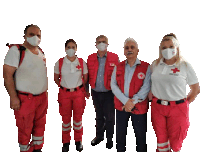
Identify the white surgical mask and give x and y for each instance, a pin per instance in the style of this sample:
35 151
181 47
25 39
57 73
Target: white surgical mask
102 46
34 40
169 53
70 52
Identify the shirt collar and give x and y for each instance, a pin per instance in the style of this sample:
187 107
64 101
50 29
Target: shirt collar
137 61
68 61
163 63
105 55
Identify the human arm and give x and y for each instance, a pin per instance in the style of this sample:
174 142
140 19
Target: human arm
145 89
56 79
192 81
86 79
194 91
8 73
118 93
57 73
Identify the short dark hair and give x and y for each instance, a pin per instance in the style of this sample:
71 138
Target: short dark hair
70 40
26 29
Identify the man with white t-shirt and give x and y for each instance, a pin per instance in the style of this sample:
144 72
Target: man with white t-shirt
25 77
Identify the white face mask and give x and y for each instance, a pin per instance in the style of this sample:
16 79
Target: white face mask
34 40
169 53
70 52
102 46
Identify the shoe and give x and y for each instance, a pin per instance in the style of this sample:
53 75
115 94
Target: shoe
65 147
96 141
38 150
109 144
79 146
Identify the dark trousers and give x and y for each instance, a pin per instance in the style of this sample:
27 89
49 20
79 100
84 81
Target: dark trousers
105 113
139 123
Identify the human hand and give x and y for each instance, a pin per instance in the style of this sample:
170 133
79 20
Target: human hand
15 103
87 95
129 105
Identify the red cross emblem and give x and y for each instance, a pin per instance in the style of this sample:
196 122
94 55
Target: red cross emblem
175 70
141 75
78 67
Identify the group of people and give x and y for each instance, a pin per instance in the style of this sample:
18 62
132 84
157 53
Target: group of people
126 86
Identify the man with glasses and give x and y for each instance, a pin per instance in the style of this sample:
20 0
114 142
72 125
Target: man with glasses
130 83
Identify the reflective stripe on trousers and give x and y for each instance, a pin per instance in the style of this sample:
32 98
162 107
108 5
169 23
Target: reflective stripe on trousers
24 147
77 125
66 127
164 147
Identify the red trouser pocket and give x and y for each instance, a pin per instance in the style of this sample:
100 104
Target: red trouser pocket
184 109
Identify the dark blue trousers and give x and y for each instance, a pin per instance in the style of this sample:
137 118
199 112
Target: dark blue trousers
139 123
105 113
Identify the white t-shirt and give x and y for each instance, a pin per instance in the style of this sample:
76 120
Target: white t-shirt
71 75
31 75
169 81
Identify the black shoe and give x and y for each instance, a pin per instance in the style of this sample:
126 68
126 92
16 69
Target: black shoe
65 147
79 146
38 150
109 144
96 141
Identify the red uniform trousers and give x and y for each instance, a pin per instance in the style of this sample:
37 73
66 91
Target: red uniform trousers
31 119
170 124
69 101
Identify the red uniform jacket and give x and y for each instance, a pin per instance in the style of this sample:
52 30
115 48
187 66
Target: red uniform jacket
93 65
135 85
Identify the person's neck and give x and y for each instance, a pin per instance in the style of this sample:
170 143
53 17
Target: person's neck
102 53
71 58
33 49
170 61
131 61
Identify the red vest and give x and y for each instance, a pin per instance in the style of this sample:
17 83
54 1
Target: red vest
135 85
93 65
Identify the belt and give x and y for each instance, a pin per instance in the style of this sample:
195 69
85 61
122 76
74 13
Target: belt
166 103
73 89
24 93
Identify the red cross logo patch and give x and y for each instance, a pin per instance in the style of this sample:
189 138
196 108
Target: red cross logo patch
175 70
112 64
78 67
141 75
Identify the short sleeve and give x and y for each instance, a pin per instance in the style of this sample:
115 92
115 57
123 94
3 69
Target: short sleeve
56 67
152 66
12 57
191 75
85 69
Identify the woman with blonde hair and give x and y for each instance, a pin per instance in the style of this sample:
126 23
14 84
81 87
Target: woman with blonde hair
170 104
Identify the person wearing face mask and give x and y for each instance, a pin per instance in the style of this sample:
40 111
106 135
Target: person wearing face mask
100 67
71 74
131 83
25 77
170 104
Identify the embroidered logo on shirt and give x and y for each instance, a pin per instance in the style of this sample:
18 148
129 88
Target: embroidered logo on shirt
112 64
175 70
141 75
78 67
